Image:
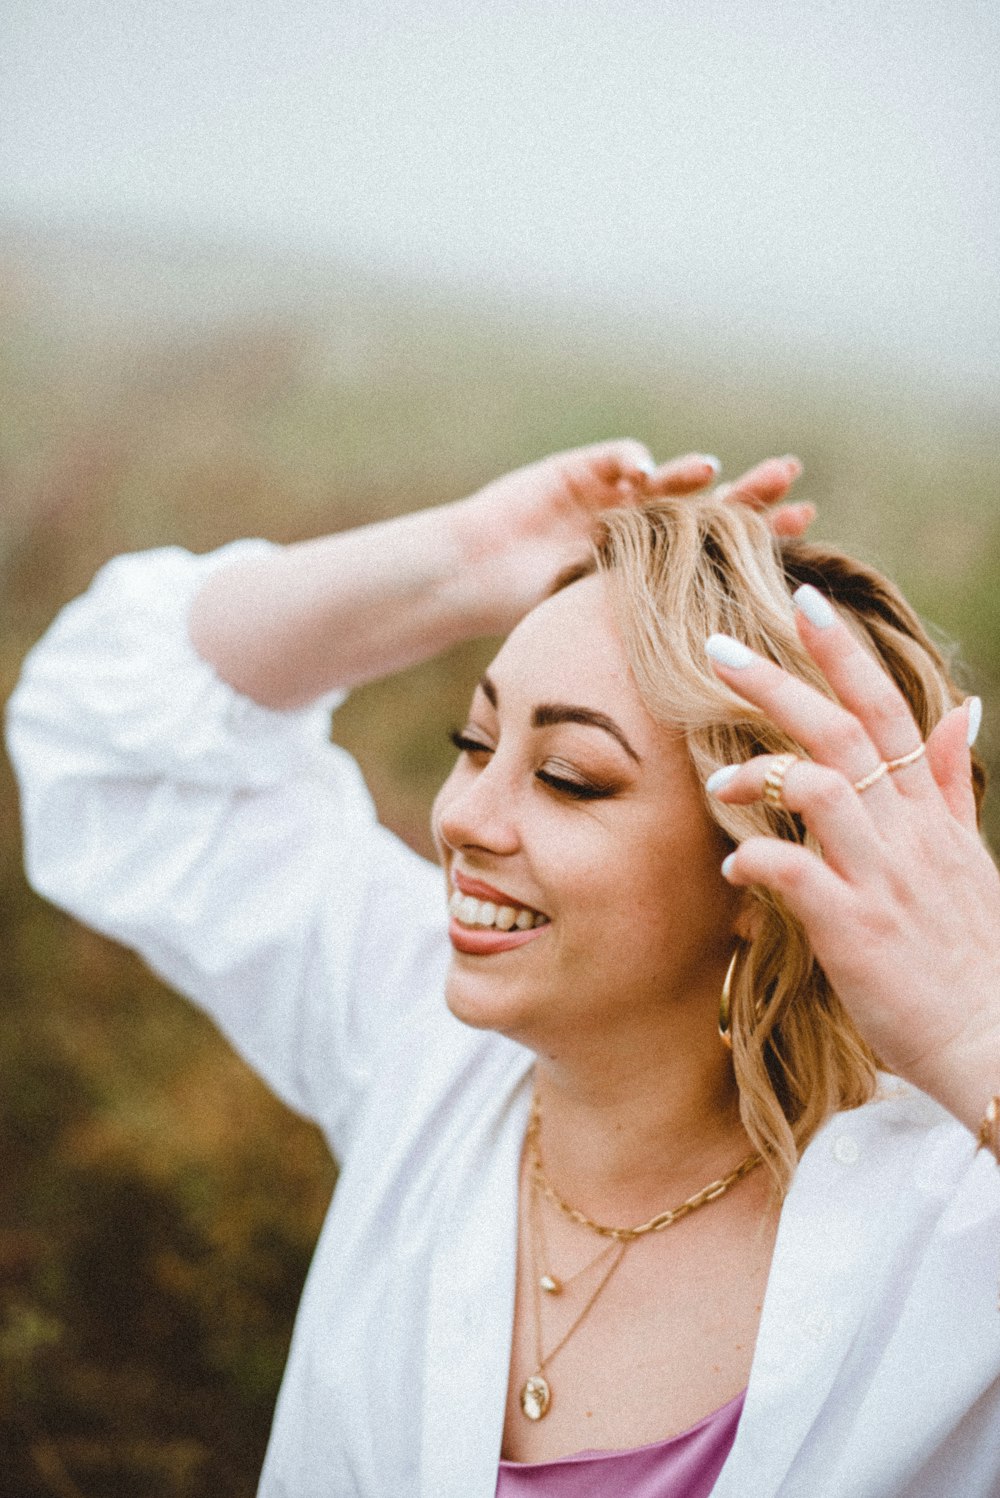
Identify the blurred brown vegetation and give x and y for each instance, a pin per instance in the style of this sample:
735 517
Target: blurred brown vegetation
157 1207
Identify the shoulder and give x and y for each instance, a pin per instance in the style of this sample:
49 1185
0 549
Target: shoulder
879 1338
901 1174
887 1244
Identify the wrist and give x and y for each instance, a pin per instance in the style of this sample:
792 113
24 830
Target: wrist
483 584
964 1075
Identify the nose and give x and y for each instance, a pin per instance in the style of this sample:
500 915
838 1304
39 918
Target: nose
475 809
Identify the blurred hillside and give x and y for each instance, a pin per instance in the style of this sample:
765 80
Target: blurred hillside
157 1209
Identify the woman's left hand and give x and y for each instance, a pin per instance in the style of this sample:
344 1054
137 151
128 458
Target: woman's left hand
903 908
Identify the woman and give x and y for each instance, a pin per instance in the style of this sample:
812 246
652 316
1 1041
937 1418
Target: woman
605 1212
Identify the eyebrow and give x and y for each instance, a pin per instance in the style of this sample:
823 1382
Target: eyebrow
547 714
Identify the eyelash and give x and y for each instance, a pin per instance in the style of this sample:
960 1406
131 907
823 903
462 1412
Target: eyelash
578 790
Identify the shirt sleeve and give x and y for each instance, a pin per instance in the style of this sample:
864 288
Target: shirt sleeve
234 847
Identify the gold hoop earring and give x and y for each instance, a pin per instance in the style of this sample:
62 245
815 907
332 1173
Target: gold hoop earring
725 1015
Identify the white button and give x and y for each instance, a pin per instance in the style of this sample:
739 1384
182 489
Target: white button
846 1150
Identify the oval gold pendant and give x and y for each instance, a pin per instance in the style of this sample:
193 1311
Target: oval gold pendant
536 1396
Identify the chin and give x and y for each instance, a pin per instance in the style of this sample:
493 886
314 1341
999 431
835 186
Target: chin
484 1003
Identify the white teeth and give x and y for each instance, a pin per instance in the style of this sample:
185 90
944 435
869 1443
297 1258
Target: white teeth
473 912
468 911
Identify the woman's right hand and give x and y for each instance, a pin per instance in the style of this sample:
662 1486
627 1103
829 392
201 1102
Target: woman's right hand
358 605
524 529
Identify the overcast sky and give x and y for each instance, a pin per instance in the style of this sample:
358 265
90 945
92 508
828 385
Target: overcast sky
828 166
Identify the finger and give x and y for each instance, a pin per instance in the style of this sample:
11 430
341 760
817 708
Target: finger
792 520
823 799
606 474
808 886
685 475
948 757
863 687
832 735
766 483
624 458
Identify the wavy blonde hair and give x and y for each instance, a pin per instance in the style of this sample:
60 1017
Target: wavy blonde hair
677 572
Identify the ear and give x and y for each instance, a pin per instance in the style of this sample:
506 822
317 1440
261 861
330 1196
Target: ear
749 917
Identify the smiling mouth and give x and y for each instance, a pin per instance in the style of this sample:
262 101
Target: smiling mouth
475 914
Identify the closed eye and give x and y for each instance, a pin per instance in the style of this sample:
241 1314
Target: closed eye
579 790
563 785
466 744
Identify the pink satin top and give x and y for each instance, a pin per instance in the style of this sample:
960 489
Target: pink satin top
685 1466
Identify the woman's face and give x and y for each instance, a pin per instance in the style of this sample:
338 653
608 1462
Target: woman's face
573 823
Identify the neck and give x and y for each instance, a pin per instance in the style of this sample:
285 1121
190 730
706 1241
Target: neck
620 1142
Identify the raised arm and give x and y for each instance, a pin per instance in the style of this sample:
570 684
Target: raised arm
169 803
352 607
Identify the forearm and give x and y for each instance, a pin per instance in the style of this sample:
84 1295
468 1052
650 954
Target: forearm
344 609
349 608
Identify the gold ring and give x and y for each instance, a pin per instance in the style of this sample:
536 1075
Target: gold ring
901 763
876 774
774 781
889 767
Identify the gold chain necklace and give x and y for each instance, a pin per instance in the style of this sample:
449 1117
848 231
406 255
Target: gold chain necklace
536 1392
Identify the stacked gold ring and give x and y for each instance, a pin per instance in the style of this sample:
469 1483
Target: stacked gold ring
774 780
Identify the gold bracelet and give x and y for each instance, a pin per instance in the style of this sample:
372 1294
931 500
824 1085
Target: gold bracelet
988 1137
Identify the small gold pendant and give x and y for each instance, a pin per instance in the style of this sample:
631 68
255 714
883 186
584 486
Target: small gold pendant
550 1284
536 1396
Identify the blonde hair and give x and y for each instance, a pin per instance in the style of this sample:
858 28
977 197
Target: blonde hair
678 571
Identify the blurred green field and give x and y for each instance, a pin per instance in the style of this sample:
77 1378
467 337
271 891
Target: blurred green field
157 1208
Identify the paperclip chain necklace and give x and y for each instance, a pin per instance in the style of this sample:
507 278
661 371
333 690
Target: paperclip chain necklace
536 1392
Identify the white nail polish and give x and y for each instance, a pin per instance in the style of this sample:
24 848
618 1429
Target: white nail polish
719 779
815 607
727 865
729 652
712 462
975 719
648 466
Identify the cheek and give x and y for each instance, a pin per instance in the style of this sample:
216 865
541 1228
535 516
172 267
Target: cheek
678 890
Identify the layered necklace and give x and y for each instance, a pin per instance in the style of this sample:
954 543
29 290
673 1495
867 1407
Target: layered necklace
536 1393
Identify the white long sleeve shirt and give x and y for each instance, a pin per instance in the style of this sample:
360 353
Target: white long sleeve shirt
238 851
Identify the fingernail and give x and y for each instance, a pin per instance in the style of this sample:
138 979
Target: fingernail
720 778
793 462
975 720
712 461
815 607
647 466
729 652
727 865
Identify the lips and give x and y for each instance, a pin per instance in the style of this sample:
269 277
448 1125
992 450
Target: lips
481 891
485 919
485 941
